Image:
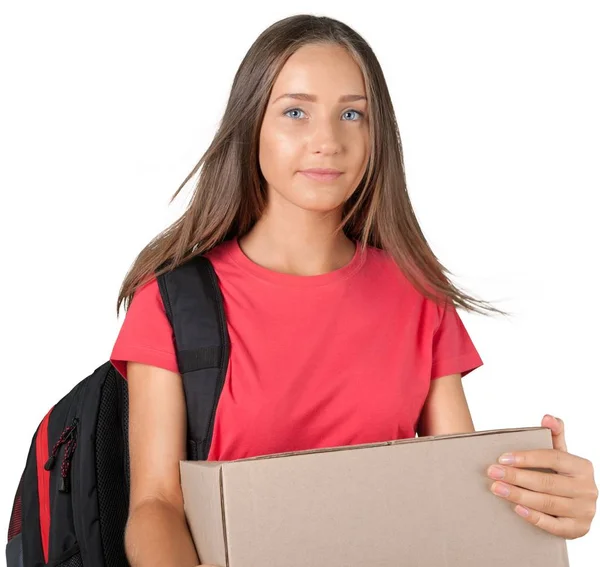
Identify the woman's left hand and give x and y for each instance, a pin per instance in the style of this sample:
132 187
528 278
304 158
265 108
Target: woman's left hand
563 504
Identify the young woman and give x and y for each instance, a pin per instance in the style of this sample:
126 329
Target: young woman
343 324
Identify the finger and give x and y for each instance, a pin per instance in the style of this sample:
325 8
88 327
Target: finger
562 527
547 503
559 461
547 483
557 427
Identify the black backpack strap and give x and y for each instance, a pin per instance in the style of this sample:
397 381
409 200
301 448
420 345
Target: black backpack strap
194 306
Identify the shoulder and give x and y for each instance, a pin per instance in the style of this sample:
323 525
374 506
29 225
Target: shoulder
381 268
383 272
221 253
145 334
380 258
147 296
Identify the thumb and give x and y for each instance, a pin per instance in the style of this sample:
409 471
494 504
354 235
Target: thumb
557 427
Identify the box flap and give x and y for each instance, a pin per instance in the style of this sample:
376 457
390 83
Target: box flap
202 488
369 445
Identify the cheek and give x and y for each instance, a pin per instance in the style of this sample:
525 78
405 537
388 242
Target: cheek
362 148
361 161
278 153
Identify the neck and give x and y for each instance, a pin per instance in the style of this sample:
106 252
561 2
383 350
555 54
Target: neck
295 241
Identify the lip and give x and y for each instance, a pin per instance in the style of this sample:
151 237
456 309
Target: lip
322 174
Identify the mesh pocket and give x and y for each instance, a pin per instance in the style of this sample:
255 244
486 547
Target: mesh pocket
16 517
113 494
73 561
125 426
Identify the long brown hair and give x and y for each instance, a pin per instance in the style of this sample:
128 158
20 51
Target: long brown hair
230 196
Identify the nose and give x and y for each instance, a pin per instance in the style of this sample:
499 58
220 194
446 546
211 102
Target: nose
326 137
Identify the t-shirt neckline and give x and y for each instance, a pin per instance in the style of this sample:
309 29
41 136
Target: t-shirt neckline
293 280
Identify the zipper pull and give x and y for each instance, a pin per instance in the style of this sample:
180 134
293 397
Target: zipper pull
50 462
66 435
65 484
65 469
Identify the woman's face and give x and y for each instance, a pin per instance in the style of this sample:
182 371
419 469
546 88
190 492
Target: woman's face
326 131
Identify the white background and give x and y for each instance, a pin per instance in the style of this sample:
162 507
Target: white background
105 108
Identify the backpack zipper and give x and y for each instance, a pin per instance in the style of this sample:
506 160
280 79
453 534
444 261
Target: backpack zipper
68 436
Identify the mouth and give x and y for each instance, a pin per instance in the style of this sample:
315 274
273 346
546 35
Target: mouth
322 174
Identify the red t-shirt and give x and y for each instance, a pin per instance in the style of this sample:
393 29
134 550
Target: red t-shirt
316 361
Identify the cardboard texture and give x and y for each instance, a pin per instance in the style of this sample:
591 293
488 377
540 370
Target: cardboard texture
422 502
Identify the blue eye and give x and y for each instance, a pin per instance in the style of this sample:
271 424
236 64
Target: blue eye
292 110
356 112
287 112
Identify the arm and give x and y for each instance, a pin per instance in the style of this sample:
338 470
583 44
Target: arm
156 532
446 410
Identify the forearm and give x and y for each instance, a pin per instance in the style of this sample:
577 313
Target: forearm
157 535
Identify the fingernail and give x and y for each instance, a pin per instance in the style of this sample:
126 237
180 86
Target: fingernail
507 459
496 472
500 489
521 510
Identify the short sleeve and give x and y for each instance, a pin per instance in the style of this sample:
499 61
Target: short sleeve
453 349
146 334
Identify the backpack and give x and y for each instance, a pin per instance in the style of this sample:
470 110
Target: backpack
72 503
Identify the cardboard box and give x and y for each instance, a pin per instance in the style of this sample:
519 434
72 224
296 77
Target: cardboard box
422 502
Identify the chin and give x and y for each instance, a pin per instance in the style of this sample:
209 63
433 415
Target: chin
318 199
311 199
319 205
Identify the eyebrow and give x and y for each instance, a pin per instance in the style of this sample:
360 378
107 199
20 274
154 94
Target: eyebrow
313 98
